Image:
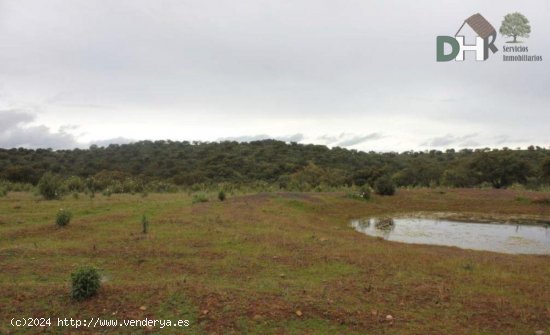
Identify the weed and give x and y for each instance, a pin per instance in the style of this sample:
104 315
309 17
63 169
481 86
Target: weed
221 195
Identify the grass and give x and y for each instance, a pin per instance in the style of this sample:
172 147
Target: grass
250 263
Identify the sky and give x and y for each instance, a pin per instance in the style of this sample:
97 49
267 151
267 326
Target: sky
356 74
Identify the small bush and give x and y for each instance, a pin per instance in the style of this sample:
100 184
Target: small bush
50 186
85 283
144 224
384 186
199 198
63 217
3 191
364 192
221 196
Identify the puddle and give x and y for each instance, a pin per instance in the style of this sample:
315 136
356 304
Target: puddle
499 237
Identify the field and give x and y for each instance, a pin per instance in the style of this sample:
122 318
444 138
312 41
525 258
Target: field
280 263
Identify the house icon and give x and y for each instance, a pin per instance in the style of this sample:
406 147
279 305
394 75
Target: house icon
485 40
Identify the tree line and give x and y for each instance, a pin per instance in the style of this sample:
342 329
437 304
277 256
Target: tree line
168 164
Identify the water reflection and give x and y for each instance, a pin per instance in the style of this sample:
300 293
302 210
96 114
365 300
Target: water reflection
529 239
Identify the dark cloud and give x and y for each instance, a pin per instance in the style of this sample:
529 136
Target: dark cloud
16 131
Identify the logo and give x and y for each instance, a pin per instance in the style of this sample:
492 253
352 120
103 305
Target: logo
513 26
486 36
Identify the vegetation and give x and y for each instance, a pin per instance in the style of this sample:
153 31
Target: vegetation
364 192
384 186
144 224
166 166
249 266
197 198
50 186
85 283
63 217
221 195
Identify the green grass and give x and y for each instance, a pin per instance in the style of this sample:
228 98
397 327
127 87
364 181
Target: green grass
248 264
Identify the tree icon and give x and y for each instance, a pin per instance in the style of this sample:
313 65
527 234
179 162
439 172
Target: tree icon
514 25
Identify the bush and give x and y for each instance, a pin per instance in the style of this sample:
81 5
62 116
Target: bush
384 186
63 217
364 192
221 195
50 186
199 198
144 224
85 283
3 191
75 184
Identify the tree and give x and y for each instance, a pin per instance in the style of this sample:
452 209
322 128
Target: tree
546 170
384 186
50 186
514 25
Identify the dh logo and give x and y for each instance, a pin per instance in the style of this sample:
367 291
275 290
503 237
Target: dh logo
484 41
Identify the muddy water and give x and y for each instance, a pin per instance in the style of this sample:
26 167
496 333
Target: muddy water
506 238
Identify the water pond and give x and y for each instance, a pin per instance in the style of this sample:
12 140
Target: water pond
498 237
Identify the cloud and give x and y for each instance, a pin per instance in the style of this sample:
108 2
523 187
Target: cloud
209 69
359 139
348 139
451 140
16 131
288 138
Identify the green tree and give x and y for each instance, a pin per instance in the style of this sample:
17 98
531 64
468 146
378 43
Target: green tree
514 25
50 186
546 170
384 186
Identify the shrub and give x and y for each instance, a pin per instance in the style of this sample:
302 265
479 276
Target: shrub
50 186
75 184
384 186
3 191
364 192
221 195
144 224
85 283
199 198
63 217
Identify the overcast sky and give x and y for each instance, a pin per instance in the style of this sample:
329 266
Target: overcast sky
357 74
